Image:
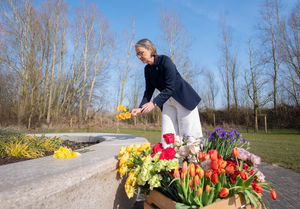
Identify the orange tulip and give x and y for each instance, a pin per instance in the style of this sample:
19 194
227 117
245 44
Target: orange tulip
206 156
244 175
224 192
222 163
176 174
235 152
207 188
273 195
201 173
197 180
214 165
214 155
192 170
199 191
208 173
222 171
229 169
184 166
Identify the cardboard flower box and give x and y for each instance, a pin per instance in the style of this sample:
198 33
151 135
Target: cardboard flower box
157 200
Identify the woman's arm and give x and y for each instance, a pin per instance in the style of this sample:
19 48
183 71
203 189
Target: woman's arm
170 76
149 90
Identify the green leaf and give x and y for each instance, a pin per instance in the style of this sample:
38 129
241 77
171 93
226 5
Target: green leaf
181 206
252 199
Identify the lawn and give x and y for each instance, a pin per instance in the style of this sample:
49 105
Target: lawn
278 147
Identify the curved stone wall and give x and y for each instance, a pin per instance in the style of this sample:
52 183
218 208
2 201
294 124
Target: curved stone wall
88 181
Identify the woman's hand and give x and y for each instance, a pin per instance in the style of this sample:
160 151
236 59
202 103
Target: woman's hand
147 107
136 111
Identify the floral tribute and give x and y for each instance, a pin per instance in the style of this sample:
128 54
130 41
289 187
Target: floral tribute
123 113
64 152
196 172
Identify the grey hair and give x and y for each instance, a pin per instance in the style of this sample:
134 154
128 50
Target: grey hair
147 44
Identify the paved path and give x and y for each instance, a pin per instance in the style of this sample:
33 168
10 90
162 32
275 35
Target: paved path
287 184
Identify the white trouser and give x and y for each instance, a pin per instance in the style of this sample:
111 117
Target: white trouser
179 120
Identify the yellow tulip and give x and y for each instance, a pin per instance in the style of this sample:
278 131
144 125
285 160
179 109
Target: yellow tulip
127 115
122 116
120 107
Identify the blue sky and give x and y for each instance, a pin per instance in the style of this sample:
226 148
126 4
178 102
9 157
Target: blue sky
200 17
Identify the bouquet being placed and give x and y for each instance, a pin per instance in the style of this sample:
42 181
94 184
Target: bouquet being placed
123 113
196 172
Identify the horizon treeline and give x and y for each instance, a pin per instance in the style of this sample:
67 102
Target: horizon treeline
61 68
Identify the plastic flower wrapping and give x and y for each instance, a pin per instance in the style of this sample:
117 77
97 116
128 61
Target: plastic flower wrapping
196 172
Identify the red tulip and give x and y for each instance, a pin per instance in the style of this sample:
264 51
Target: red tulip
214 178
192 170
235 152
273 195
199 191
229 168
201 156
191 183
169 138
257 188
224 192
214 165
208 173
244 175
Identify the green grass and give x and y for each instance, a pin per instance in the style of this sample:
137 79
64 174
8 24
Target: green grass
277 147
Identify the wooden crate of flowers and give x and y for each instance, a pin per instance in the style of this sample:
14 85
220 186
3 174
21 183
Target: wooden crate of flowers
215 171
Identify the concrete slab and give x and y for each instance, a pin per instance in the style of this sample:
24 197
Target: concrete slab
88 181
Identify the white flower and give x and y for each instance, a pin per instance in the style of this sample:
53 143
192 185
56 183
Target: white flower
193 148
177 141
255 159
183 151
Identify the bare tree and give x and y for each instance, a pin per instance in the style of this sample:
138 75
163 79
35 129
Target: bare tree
228 66
268 26
104 46
51 87
255 82
178 42
290 53
125 71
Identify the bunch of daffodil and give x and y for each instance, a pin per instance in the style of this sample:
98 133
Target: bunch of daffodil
64 152
124 114
144 170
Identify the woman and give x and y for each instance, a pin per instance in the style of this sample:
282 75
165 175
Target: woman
177 99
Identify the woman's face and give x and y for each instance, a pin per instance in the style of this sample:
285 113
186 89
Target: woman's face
145 55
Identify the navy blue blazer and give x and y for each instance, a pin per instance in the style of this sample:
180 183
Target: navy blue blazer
164 76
